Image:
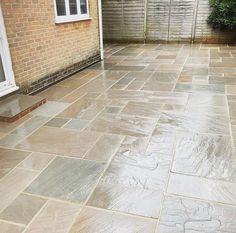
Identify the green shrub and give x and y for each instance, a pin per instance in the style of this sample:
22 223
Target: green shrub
223 14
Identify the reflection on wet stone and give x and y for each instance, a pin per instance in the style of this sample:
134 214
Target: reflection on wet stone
182 215
209 156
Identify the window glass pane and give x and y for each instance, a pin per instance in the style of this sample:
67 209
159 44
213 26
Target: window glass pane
61 7
83 6
73 7
2 74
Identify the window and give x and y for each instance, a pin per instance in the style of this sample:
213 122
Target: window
71 10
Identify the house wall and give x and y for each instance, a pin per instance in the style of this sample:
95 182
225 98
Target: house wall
42 50
160 20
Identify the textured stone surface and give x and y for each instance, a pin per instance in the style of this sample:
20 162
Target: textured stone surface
206 156
184 215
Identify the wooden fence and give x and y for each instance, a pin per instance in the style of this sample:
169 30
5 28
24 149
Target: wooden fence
160 20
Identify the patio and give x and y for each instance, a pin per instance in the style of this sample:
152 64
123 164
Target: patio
142 142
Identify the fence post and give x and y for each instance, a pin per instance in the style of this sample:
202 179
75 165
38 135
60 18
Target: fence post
168 36
194 25
145 21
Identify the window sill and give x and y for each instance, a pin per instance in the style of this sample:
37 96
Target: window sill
60 21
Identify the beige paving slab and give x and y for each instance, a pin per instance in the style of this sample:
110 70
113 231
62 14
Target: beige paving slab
202 188
93 220
73 96
55 93
85 109
55 217
77 124
22 209
51 108
104 148
164 77
13 184
200 88
36 161
207 100
113 75
142 109
123 124
157 86
10 140
195 122
135 85
98 85
137 201
139 76
60 141
31 125
10 228
143 96
72 83
9 159
57 122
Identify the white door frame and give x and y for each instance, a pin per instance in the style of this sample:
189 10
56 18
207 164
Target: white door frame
9 84
100 29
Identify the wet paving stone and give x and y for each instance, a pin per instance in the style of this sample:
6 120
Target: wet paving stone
10 159
67 179
123 125
92 220
193 88
195 122
182 215
210 156
22 209
60 141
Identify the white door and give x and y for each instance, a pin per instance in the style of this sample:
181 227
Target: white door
7 80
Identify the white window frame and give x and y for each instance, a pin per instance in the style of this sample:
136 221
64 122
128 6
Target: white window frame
71 18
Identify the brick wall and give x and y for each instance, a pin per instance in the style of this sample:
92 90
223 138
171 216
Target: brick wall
38 46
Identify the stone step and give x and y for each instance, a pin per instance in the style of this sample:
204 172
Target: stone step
16 106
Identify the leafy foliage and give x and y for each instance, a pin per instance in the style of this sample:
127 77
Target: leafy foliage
223 15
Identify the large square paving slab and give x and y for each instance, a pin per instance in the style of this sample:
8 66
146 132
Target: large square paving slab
67 179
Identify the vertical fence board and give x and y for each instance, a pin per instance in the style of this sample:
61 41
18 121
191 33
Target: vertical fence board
181 20
158 19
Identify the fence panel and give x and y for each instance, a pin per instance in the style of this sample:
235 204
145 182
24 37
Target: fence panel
123 20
